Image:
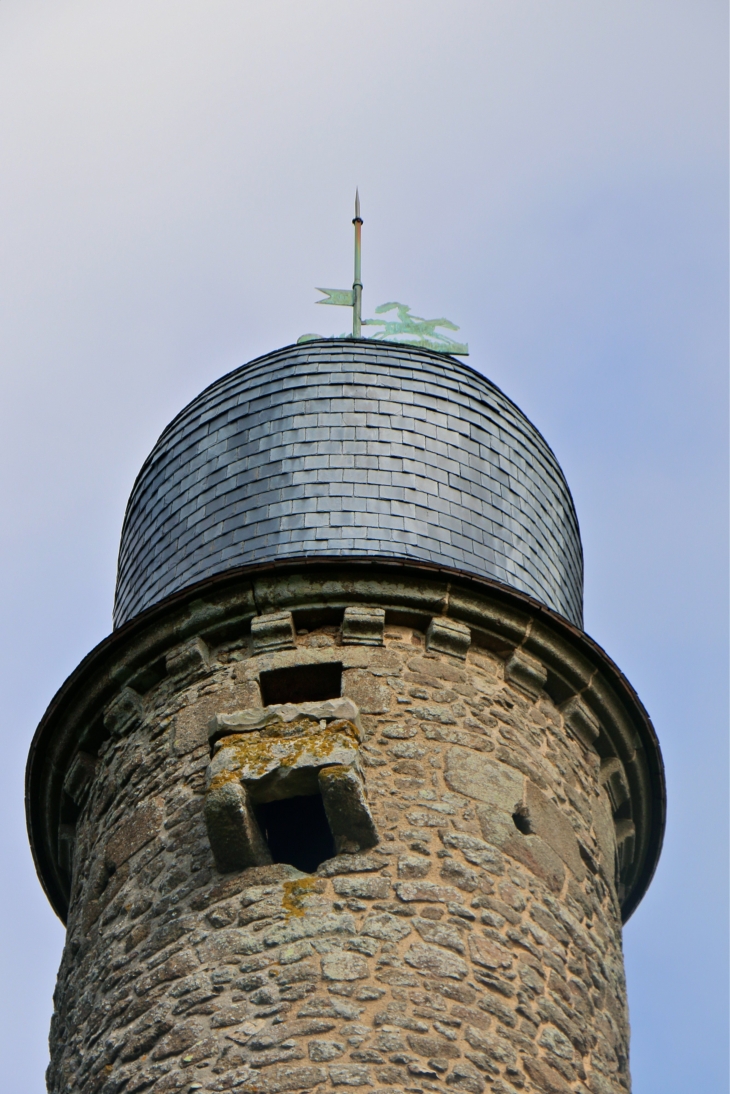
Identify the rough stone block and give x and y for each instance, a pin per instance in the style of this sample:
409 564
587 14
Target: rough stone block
545 1077
274 631
411 866
500 787
344 966
371 693
132 834
369 888
580 721
546 819
526 672
351 864
605 833
235 837
435 961
433 1046
345 804
474 850
539 858
320 1051
426 891
445 635
363 626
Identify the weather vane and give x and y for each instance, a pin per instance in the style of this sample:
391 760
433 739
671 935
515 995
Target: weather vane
409 329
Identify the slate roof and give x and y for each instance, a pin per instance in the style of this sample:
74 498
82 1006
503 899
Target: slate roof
351 448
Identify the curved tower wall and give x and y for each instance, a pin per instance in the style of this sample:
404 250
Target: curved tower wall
358 820
351 449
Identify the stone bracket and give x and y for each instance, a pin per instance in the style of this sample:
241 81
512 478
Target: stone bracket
66 844
189 661
526 672
124 713
625 845
363 626
580 721
613 777
79 777
445 635
274 631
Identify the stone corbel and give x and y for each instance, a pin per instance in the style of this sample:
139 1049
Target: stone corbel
446 635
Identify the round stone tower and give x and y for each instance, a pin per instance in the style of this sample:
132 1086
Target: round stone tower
348 799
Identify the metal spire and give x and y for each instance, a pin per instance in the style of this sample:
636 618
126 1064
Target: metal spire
351 298
357 284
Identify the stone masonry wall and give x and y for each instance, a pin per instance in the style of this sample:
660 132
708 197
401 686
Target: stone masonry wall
476 947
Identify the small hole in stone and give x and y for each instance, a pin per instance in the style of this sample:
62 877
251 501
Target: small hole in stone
297 831
521 817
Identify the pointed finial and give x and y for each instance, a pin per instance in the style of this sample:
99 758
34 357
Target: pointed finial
357 204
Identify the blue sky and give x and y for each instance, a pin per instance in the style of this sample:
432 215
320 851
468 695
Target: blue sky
176 177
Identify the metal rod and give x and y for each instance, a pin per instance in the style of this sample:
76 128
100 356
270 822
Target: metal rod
357 284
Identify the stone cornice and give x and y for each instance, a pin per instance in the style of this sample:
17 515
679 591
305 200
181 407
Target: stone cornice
600 706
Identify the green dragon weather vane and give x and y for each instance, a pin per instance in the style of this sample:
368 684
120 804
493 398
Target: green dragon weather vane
409 329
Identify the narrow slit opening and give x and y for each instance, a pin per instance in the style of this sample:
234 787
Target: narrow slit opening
297 831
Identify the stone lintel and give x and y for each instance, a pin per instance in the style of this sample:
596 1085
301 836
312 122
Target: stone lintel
248 721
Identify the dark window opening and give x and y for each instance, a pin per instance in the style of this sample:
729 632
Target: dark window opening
522 822
301 684
297 831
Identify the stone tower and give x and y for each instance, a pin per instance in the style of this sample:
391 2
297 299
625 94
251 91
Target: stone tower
348 799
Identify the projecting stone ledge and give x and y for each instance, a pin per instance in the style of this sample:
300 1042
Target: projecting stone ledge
447 636
363 626
249 721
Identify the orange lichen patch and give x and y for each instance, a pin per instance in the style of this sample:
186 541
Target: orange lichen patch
295 893
255 755
290 729
342 725
222 778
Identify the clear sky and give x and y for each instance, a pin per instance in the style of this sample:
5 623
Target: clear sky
175 178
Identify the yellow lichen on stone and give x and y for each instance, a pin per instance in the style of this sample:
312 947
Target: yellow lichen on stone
295 893
254 755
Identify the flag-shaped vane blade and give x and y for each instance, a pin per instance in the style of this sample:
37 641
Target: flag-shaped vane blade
344 297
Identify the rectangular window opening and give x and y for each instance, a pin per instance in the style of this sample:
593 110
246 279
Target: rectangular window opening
301 684
297 831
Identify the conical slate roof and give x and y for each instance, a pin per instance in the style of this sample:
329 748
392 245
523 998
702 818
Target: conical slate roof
351 449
